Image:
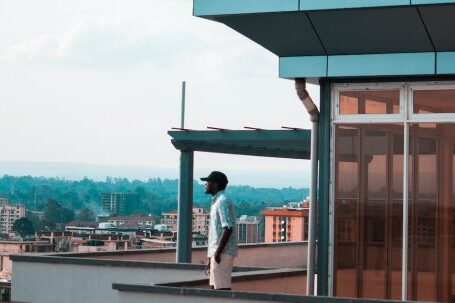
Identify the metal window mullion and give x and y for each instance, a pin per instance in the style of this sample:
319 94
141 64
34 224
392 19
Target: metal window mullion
404 261
331 264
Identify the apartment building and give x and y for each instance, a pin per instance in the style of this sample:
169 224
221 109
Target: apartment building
287 223
248 229
201 220
9 213
119 203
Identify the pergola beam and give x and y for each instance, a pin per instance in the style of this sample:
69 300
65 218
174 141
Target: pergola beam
291 144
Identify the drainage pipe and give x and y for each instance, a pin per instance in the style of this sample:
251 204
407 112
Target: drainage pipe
311 108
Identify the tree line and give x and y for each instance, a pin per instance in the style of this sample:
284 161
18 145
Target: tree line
65 200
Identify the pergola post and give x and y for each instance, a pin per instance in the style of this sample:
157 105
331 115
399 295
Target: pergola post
185 208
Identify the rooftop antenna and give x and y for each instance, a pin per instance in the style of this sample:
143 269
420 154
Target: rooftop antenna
182 118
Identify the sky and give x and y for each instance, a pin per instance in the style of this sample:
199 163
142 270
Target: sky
98 82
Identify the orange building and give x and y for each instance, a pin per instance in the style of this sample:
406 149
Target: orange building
287 223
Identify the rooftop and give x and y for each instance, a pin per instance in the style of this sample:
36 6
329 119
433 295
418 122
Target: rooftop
130 218
272 272
257 266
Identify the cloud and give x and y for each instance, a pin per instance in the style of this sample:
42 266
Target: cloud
104 44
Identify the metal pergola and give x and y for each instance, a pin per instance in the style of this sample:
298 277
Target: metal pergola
290 144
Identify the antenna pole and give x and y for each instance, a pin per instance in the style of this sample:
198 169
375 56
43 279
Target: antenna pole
182 118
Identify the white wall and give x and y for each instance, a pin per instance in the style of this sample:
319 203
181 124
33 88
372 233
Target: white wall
67 283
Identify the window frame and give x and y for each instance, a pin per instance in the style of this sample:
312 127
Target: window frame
432 117
406 117
367 118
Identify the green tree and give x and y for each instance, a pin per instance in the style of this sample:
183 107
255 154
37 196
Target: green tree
24 227
86 214
55 213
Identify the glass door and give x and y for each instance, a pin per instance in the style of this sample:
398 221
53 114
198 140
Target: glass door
368 208
369 123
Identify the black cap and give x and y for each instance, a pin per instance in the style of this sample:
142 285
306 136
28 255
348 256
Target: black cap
216 177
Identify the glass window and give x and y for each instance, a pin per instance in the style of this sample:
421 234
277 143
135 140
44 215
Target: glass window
368 194
368 228
369 102
434 101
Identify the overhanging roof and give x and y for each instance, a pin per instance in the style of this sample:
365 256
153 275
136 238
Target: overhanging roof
372 30
330 36
293 144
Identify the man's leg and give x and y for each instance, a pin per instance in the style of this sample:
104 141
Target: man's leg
211 274
222 272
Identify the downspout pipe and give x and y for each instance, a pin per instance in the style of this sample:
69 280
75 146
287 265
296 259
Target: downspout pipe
311 108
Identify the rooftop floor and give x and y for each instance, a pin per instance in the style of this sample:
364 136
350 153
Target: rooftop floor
272 272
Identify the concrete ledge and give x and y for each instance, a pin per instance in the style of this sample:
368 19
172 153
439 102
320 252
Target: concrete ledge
244 276
116 263
167 250
254 296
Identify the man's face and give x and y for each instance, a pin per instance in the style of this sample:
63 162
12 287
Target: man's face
211 187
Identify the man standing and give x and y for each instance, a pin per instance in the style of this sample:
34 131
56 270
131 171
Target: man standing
222 242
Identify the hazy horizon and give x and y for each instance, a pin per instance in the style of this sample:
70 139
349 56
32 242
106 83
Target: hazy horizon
97 172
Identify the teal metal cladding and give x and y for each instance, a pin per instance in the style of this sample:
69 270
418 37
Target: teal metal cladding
307 66
366 65
381 65
337 4
417 2
445 63
226 7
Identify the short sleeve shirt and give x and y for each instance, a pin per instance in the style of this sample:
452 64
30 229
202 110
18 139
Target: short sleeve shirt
222 215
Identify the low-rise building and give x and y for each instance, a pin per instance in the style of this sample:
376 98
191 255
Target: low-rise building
157 239
200 224
60 239
9 213
287 223
248 229
165 239
12 247
133 221
104 243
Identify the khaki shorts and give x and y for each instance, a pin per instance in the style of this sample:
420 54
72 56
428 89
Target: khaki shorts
220 273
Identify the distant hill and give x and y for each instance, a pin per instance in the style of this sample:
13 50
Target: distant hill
77 171
156 195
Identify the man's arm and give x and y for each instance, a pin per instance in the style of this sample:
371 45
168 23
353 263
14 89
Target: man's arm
207 267
227 231
225 212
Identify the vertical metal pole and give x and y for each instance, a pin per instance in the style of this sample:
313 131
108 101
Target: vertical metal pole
404 262
182 117
324 211
312 211
185 208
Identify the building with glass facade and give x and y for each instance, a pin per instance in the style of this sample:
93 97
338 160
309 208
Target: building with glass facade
386 189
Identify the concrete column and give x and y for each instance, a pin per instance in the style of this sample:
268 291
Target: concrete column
185 208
